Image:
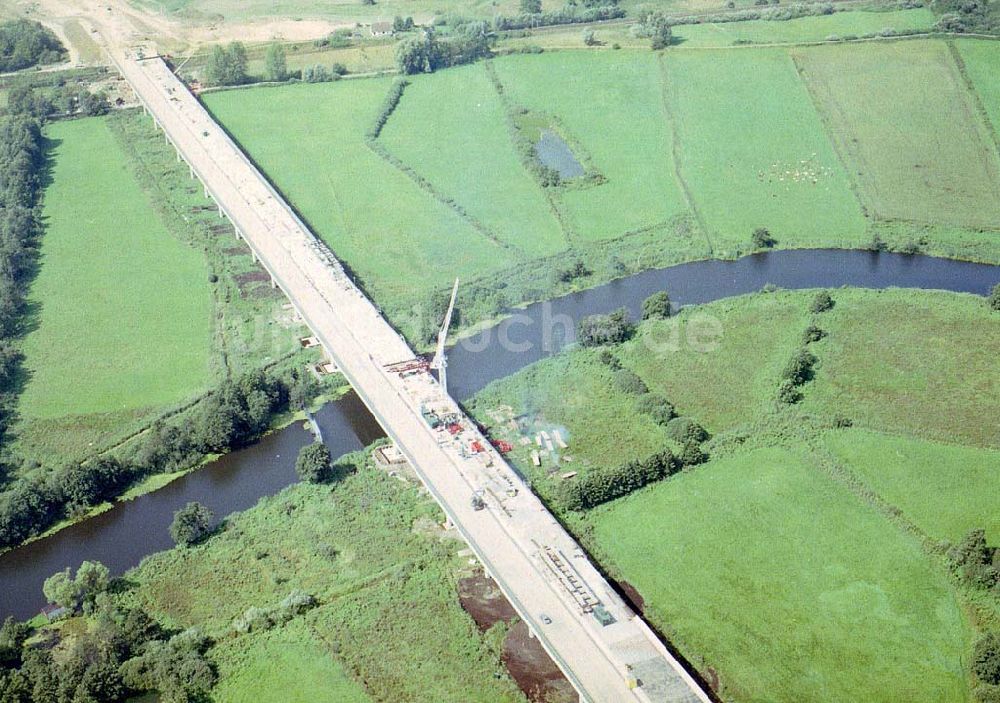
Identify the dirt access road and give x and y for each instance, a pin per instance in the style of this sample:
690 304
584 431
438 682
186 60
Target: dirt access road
86 26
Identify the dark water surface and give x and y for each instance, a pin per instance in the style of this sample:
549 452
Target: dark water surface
121 537
555 153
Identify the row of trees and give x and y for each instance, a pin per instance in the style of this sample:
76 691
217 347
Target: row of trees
24 43
21 162
799 369
235 414
66 99
427 52
570 14
605 484
124 652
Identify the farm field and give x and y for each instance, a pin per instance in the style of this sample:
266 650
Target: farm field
683 171
371 552
981 60
935 375
771 565
611 104
399 241
122 304
803 29
742 172
470 157
773 556
287 666
911 135
945 489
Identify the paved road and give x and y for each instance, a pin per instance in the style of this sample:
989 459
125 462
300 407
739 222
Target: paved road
539 567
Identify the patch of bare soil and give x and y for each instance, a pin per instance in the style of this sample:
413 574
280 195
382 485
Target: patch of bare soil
481 599
526 660
633 596
533 669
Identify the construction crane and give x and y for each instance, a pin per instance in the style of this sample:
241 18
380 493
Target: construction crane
440 361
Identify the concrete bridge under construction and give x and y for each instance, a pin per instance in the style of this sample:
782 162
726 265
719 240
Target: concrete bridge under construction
606 651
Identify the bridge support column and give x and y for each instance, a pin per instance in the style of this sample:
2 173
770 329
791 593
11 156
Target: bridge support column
205 188
274 283
221 214
191 171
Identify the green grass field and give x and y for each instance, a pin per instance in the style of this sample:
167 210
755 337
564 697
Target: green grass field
910 132
787 585
935 373
982 62
804 29
743 170
290 665
689 170
399 240
945 489
124 319
388 622
577 394
469 156
612 104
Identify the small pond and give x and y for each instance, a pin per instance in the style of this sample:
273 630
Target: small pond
555 153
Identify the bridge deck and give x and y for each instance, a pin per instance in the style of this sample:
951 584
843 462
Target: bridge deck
515 536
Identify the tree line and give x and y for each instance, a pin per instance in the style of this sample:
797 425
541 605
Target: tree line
233 415
428 52
21 165
123 652
24 43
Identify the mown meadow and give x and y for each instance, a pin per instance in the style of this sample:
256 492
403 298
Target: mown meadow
686 154
807 552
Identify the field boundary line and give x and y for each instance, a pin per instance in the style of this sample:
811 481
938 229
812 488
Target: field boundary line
675 149
569 233
382 151
977 100
167 210
425 185
840 149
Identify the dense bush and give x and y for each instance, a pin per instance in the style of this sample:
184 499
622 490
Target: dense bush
656 26
314 463
119 655
573 271
657 407
388 106
762 238
92 579
628 382
656 306
427 53
821 303
66 99
256 619
571 14
799 368
228 65
191 524
24 43
601 485
812 334
994 299
683 430
597 330
972 560
986 659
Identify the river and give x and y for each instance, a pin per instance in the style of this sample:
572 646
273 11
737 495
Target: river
122 536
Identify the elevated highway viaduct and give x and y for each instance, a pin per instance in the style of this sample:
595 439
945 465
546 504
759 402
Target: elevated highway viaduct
606 651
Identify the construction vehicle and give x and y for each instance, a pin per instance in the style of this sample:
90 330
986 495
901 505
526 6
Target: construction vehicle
477 501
